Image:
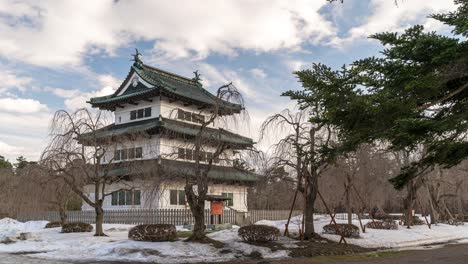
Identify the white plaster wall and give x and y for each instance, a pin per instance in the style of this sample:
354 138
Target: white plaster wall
124 113
169 150
161 198
151 147
149 198
169 110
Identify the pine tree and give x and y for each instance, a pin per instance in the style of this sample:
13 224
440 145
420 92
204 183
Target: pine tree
415 94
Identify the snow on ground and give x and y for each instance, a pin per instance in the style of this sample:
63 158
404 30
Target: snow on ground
51 244
376 238
11 228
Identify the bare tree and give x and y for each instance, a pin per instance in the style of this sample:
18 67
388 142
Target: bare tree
301 149
208 147
79 164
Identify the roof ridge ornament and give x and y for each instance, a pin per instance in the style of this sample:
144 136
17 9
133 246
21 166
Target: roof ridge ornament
136 57
197 76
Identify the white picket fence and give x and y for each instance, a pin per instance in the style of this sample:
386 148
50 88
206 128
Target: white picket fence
153 216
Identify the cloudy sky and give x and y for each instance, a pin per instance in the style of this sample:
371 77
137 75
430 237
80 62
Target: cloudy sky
57 54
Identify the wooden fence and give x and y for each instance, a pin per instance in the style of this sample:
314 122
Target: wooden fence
274 215
153 216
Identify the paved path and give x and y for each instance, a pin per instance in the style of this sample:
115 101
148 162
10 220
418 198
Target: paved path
452 254
17 259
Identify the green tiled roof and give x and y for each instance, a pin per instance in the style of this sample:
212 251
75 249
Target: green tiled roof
175 168
165 83
166 126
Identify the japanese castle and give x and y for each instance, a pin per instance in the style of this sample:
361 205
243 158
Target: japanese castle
157 117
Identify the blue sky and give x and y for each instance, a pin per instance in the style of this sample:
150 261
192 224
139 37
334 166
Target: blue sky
56 54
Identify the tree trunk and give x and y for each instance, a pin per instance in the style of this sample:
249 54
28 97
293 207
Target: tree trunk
99 219
197 207
63 215
409 203
198 212
348 199
312 188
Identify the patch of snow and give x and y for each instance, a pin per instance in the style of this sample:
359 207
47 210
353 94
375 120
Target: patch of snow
51 244
10 228
375 238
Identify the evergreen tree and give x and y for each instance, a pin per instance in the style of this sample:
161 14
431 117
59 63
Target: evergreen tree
415 94
4 164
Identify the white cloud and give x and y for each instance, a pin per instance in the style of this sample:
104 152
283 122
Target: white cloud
258 73
78 99
10 80
75 99
107 80
27 150
386 16
295 65
23 134
61 33
20 105
215 77
63 93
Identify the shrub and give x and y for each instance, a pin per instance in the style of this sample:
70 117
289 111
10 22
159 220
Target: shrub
258 233
53 224
387 224
454 222
153 233
415 221
345 229
77 227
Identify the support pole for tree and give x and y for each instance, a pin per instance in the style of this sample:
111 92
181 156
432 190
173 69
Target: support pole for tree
425 216
410 208
286 231
360 222
338 231
304 210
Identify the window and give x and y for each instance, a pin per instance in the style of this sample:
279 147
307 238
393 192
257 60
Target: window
120 119
131 153
180 114
209 157
231 196
188 154
202 156
139 152
140 113
136 197
123 154
148 112
121 197
127 197
117 155
181 153
196 118
181 197
173 197
177 197
189 116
